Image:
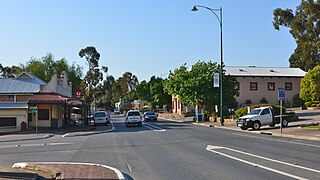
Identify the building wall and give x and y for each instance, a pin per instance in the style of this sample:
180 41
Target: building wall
20 114
270 95
55 111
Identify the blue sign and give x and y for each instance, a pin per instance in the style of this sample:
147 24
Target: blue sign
281 94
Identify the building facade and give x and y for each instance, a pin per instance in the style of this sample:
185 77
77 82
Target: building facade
256 83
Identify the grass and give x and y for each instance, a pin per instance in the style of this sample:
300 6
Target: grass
313 127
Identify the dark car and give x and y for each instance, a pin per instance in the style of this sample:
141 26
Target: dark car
150 116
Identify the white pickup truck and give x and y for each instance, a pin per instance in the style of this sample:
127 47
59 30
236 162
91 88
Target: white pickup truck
262 116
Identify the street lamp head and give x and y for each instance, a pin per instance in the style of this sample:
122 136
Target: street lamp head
194 8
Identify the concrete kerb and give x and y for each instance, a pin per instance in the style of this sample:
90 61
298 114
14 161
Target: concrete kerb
88 133
264 133
26 139
24 165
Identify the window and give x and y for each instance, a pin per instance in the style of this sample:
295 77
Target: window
253 86
43 114
265 111
288 86
271 86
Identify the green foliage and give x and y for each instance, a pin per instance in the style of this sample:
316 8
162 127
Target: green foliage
304 26
310 85
9 71
263 101
195 86
241 112
248 101
153 92
297 102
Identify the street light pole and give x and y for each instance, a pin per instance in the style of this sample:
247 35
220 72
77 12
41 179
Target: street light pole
221 54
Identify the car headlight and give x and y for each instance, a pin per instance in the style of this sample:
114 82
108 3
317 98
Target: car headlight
248 119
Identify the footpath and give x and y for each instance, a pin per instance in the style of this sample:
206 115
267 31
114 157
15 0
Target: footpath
294 130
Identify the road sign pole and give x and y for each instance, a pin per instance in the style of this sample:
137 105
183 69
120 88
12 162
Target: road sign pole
280 116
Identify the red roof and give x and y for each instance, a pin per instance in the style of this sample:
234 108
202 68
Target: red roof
47 99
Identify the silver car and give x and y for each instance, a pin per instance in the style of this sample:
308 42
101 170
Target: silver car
101 117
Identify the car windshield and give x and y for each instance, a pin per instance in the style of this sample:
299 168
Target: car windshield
150 113
255 112
100 114
134 113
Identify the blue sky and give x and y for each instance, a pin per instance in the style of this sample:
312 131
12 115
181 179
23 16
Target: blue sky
142 36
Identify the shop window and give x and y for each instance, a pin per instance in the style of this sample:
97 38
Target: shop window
288 86
253 86
43 114
271 86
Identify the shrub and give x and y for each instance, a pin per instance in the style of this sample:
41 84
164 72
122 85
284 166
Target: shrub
318 105
248 101
263 101
241 112
296 101
313 105
308 104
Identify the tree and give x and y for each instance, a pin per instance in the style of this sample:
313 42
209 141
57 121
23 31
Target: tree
195 86
93 75
310 85
153 92
304 26
9 71
44 68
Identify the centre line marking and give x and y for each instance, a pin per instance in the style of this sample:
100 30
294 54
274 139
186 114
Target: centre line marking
214 148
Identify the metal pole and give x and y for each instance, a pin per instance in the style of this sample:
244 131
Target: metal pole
221 71
280 116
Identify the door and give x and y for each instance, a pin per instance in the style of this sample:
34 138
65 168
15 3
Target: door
8 121
266 117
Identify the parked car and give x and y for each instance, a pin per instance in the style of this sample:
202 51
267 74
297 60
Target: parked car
150 116
101 117
116 111
262 116
133 117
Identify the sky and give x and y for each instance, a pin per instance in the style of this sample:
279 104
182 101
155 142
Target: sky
145 37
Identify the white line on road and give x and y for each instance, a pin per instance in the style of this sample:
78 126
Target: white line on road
279 140
152 127
214 148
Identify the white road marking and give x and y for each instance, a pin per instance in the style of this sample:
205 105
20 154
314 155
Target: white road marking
152 127
214 148
279 140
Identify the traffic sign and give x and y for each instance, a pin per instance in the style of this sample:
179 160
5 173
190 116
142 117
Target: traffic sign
78 93
281 94
216 77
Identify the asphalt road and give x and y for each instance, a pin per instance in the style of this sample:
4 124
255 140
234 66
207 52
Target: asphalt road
167 150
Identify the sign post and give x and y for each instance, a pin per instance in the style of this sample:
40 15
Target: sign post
281 97
34 110
216 77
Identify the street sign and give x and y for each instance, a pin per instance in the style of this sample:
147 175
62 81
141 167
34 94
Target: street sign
78 93
216 77
33 109
281 94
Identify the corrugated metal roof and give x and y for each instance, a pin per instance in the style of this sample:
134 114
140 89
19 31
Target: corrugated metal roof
13 105
15 86
264 71
33 79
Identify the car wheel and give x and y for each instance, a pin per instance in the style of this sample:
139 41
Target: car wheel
256 125
284 122
243 128
140 124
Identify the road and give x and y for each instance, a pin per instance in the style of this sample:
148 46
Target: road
167 150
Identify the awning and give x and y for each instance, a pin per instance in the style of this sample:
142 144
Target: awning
47 99
13 106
